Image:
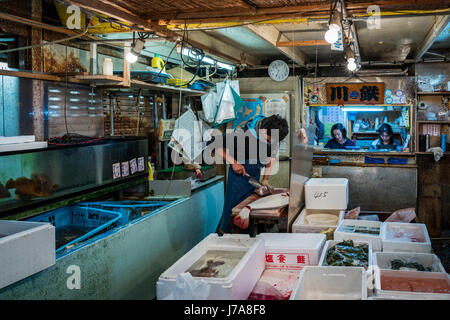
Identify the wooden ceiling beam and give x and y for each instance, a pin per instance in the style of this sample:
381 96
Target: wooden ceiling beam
302 43
272 35
325 7
120 14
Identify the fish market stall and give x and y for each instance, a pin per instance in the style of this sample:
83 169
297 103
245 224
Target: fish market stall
109 244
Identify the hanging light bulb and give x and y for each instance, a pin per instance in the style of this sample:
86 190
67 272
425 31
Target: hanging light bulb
131 57
136 49
351 64
331 36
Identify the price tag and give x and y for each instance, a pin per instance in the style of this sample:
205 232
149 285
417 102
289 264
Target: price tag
116 170
141 164
133 166
125 169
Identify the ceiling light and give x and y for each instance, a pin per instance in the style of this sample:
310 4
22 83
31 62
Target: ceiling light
351 65
331 36
136 49
362 109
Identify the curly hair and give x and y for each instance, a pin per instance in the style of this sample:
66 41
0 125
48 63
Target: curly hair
275 122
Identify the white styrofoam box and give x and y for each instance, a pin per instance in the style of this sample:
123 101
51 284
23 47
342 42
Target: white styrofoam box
17 139
238 284
382 260
299 225
292 251
23 146
343 232
330 283
326 193
408 295
25 249
331 243
418 230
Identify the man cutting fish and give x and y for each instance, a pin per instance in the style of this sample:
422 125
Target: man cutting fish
248 151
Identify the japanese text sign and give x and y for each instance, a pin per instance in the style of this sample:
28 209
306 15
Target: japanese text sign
355 93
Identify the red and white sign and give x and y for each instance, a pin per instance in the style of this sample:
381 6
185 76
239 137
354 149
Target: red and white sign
286 260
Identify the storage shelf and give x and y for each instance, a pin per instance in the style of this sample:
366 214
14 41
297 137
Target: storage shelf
434 121
117 82
436 93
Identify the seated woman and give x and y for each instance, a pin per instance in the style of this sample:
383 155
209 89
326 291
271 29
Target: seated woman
386 139
339 140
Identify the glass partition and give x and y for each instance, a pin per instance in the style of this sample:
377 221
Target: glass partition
360 127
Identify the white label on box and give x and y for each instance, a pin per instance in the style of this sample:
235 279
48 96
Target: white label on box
141 164
133 166
116 170
125 169
287 261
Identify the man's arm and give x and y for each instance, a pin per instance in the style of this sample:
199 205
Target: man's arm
236 166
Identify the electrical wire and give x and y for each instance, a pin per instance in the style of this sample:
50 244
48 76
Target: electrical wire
46 43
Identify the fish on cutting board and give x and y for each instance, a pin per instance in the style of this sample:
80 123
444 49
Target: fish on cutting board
268 202
26 189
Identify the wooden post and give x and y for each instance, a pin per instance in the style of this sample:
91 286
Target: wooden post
93 58
37 65
126 65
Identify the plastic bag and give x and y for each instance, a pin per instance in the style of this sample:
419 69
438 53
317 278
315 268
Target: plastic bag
243 218
188 288
352 214
209 103
402 215
225 110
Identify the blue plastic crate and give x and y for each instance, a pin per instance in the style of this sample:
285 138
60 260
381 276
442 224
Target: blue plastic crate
93 220
129 209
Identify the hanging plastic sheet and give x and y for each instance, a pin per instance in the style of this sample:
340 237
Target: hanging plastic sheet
230 101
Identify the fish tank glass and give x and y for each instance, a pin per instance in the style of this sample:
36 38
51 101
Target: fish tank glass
33 176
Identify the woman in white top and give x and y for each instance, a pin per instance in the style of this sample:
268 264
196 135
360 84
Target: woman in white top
386 139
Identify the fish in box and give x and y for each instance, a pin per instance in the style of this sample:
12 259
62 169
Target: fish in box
231 266
405 237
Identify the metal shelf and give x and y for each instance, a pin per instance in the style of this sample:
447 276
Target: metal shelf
118 82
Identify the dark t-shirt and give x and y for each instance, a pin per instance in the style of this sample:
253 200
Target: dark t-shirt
333 144
243 146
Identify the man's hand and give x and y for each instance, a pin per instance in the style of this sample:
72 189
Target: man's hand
199 174
238 168
267 185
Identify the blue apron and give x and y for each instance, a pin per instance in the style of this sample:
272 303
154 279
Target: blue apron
238 188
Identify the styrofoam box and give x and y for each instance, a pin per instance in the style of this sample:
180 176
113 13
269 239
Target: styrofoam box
382 260
330 283
419 229
299 227
292 251
326 193
391 294
341 234
331 243
25 249
238 284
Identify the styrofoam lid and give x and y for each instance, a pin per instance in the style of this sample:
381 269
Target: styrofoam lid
292 240
327 182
